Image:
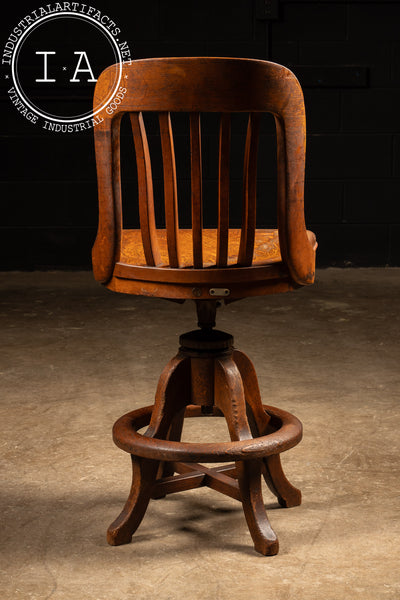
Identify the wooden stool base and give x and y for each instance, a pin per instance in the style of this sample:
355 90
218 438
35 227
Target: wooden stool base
208 377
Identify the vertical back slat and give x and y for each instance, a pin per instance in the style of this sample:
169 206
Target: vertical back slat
247 234
223 190
170 188
145 186
196 187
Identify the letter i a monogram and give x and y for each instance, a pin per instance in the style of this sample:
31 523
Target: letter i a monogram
78 70
45 55
64 75
82 56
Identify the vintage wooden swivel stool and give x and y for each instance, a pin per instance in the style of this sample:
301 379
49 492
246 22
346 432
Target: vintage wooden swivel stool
208 377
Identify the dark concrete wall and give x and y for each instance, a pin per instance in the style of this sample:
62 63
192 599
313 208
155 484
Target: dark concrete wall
347 57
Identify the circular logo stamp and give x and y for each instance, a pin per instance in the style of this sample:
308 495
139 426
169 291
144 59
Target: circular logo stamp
52 59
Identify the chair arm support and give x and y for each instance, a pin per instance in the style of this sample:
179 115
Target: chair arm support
107 245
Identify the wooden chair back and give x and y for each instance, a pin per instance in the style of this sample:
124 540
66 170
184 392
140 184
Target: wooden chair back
197 85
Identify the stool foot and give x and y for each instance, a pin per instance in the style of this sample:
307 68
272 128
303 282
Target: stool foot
230 399
173 393
144 472
286 494
264 537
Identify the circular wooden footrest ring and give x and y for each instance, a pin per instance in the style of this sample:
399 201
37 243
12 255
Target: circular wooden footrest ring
288 433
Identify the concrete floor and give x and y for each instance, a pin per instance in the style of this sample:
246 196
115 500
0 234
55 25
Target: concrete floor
76 357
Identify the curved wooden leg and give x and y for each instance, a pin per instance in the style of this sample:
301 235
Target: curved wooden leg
287 495
173 393
144 473
275 478
230 398
252 391
264 537
174 435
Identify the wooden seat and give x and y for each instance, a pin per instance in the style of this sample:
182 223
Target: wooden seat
266 247
208 377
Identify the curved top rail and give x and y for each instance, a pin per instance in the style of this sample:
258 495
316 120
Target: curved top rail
201 85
